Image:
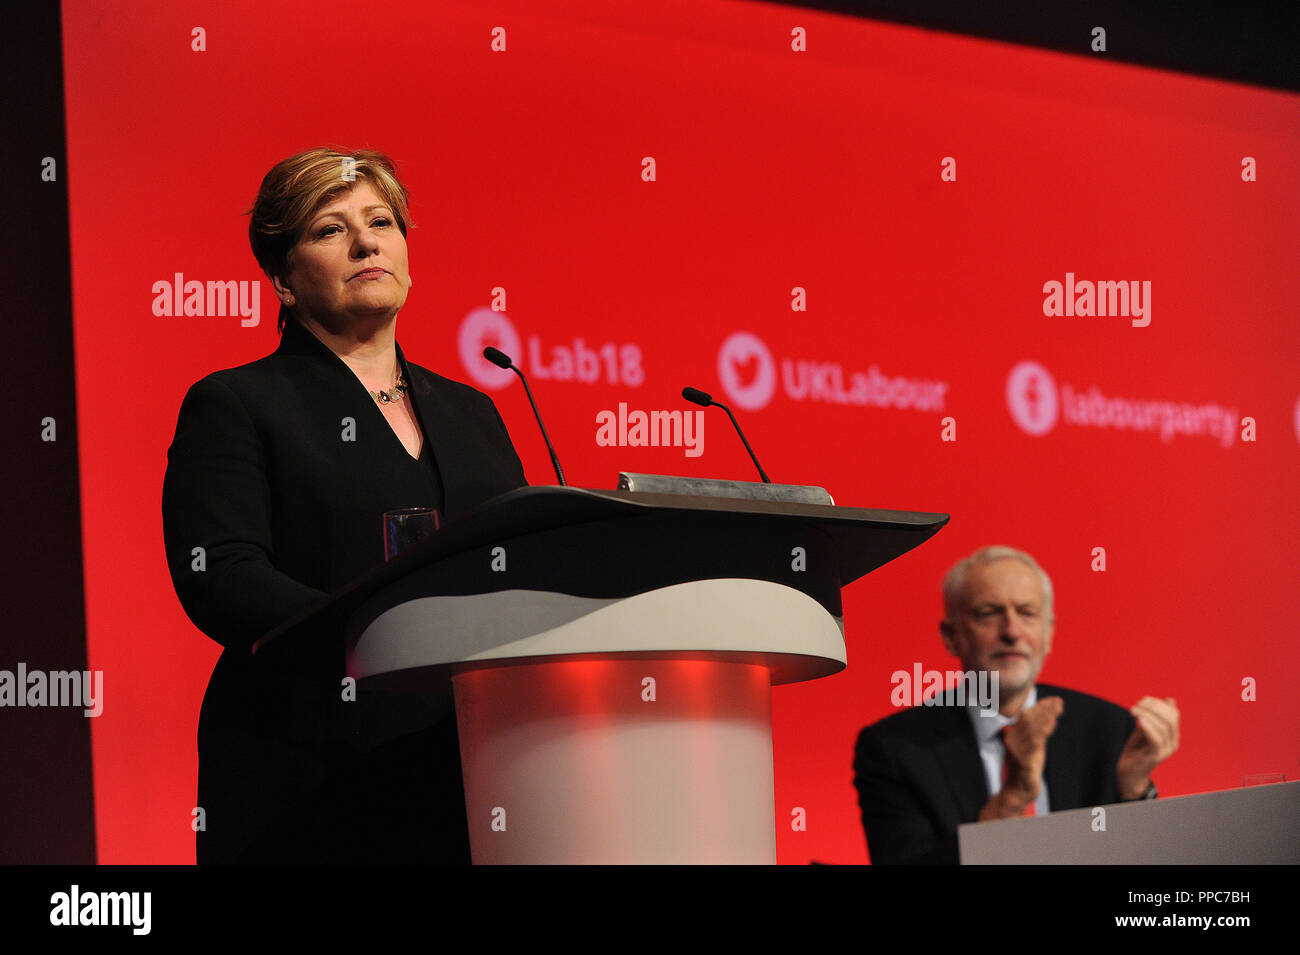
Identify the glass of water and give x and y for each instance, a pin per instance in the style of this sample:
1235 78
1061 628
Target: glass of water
406 526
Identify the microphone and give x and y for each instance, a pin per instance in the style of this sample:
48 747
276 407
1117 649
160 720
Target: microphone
704 399
502 360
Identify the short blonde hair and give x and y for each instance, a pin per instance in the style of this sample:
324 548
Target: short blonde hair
296 187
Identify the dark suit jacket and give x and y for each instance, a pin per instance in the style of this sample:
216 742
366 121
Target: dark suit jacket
919 775
281 470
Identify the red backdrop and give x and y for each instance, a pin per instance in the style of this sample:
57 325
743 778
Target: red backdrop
774 169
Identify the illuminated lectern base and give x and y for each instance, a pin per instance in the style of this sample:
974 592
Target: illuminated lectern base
582 765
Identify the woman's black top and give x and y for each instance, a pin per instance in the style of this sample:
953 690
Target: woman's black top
275 488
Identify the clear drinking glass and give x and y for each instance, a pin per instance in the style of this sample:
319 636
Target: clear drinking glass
406 526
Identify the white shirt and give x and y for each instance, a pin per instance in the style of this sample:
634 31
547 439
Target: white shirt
993 752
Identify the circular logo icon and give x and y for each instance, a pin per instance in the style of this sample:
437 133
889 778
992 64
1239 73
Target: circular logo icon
479 329
746 370
1031 398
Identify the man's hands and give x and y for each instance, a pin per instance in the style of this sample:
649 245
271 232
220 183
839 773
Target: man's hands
1026 755
1154 740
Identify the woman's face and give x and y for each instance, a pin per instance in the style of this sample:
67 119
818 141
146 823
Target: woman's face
350 262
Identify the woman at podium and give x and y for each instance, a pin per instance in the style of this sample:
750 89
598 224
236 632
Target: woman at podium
276 483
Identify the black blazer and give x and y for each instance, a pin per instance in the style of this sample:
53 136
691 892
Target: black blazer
918 773
280 472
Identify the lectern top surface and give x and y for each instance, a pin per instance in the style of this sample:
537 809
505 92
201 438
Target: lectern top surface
863 538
